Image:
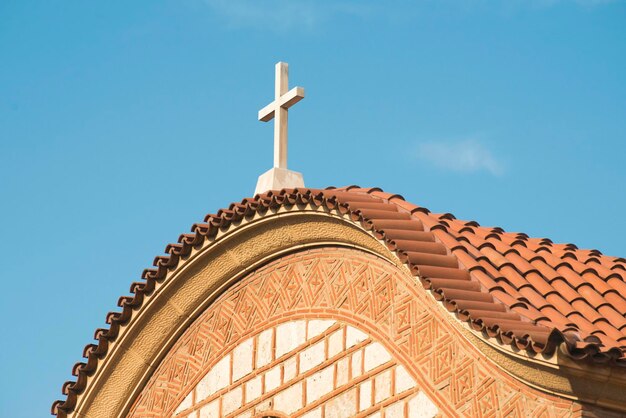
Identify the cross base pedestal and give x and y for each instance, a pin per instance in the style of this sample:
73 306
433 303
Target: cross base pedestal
278 178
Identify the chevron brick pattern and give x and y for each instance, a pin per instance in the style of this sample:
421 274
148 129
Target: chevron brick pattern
354 291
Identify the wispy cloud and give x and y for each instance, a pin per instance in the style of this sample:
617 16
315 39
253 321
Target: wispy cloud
284 15
586 3
533 3
287 15
466 156
281 15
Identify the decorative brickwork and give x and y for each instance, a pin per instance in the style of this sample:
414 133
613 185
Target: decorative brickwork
319 319
307 368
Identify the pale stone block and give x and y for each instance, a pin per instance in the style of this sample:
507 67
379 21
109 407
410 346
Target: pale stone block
382 386
312 356
316 413
210 410
404 381
272 379
395 410
254 389
422 407
289 336
232 400
217 378
202 389
354 336
279 178
264 347
289 400
375 355
242 359
343 371
341 406
186 403
357 358
290 369
318 326
266 405
319 384
335 343
365 395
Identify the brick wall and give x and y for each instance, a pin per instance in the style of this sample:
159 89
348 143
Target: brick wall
307 368
332 332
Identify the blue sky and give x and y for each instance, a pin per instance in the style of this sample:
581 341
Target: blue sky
123 123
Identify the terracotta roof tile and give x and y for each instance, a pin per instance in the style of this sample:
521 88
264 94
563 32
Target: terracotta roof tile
529 293
424 247
416 234
485 280
545 270
539 282
466 260
488 268
616 300
581 322
564 290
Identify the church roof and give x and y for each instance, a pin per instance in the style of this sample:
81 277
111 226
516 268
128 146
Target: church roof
528 293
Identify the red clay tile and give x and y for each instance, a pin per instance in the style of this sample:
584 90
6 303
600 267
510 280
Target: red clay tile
586 310
488 267
598 284
614 317
405 234
402 225
582 322
618 284
425 247
545 269
494 256
570 276
512 275
616 300
429 259
591 296
444 272
538 282
454 284
560 304
467 261
484 279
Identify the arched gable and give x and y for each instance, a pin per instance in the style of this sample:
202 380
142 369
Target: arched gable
333 329
249 235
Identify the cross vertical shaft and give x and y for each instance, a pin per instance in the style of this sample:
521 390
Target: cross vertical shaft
278 110
281 114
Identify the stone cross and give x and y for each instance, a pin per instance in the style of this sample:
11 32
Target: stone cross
278 110
280 177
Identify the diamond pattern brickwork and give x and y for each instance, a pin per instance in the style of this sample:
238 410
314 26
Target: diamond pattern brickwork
353 288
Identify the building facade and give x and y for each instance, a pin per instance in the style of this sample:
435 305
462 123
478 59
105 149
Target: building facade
353 302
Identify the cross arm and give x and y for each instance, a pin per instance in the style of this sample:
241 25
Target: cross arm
267 113
292 97
287 100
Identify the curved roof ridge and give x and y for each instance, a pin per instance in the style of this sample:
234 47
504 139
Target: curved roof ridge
529 301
